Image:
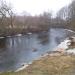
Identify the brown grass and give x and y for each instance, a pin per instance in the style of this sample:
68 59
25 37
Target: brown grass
50 65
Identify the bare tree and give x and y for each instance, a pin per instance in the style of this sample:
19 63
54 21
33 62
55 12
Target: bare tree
6 14
71 15
63 13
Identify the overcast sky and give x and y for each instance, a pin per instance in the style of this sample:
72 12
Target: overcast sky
37 6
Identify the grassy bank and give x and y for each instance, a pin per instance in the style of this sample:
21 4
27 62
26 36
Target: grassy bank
57 64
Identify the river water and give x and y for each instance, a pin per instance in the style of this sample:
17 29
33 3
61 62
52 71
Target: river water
16 50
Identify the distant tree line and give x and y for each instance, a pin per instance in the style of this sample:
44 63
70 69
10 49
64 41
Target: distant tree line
10 23
67 13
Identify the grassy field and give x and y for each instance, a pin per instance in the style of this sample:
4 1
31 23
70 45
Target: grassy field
59 64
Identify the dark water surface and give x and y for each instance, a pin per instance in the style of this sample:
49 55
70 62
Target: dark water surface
16 50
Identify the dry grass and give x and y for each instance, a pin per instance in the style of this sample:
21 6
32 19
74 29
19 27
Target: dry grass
50 65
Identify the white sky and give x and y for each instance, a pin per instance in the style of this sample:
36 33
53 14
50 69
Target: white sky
38 6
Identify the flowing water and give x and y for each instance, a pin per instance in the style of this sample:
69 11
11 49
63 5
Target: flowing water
16 50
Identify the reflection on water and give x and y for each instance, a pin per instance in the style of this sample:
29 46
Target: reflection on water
44 38
19 49
3 43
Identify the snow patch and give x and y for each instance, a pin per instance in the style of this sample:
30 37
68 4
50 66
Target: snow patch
70 30
19 35
71 51
2 37
23 67
64 44
29 33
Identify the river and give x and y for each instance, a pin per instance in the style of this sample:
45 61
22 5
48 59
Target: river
16 50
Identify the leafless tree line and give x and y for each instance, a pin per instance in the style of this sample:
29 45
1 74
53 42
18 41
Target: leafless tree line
10 21
68 14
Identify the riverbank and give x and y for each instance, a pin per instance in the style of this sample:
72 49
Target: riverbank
14 31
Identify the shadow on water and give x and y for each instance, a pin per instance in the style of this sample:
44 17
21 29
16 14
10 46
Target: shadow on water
3 43
43 38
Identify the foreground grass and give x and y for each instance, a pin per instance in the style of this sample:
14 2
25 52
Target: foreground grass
50 65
